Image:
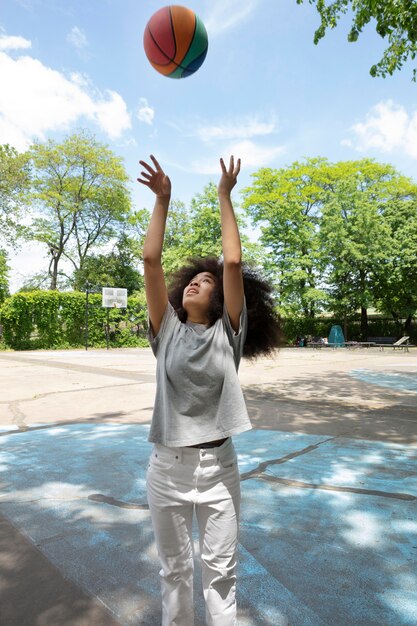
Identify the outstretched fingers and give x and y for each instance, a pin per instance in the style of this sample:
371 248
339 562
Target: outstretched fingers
147 167
147 176
232 171
155 162
155 178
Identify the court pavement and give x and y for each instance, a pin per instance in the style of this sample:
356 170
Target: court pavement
328 532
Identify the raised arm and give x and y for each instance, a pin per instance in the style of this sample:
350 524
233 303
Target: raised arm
156 291
232 249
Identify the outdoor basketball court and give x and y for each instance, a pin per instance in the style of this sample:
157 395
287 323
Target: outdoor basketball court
329 489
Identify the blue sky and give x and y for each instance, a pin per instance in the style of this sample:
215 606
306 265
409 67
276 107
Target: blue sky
265 93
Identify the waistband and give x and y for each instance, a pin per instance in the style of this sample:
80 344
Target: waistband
190 454
210 444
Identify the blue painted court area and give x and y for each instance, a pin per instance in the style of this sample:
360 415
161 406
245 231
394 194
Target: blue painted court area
392 380
328 528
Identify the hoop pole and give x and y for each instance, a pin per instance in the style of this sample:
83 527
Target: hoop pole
108 329
86 318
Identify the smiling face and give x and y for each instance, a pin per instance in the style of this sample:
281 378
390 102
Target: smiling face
197 295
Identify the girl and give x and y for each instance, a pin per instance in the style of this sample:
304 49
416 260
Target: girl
214 313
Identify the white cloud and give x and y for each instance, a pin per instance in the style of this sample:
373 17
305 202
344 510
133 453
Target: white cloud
225 15
251 155
35 99
112 114
13 42
240 129
82 80
231 138
388 127
145 113
77 38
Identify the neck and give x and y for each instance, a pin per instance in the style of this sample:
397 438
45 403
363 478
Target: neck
197 315
196 319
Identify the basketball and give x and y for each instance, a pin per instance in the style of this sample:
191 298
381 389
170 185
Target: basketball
175 41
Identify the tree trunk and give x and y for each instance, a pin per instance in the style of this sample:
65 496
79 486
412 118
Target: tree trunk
53 271
407 325
364 323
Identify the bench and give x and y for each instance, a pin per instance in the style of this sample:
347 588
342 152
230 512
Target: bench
382 340
391 342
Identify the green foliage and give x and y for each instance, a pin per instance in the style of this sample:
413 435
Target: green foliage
286 205
355 239
197 231
395 21
320 327
338 237
4 276
80 195
117 269
49 319
14 178
137 223
298 326
194 231
396 278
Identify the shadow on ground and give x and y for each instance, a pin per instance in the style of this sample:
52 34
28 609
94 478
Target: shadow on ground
335 404
308 556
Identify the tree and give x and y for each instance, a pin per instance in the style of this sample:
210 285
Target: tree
286 204
195 231
355 238
4 278
396 280
117 269
396 22
14 178
331 232
79 190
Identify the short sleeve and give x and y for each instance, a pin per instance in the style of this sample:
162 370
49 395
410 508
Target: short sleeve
155 340
237 340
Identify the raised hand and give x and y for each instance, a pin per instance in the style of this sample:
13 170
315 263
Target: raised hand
229 176
155 179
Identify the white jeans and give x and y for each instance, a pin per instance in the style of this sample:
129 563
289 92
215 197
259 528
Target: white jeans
179 481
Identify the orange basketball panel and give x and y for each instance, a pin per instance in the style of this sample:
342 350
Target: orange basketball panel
164 69
183 22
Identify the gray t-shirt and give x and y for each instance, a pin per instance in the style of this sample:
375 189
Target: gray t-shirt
198 395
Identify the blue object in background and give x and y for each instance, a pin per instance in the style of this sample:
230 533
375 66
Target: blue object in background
336 336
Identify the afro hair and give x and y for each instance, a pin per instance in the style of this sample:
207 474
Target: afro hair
264 334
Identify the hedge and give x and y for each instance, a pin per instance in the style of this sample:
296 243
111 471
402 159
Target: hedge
320 327
52 320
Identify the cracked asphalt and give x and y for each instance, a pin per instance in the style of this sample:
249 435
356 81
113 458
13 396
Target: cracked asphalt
329 489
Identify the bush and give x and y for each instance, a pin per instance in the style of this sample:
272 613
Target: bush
50 319
320 327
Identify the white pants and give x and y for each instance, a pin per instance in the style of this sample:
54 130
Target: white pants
179 481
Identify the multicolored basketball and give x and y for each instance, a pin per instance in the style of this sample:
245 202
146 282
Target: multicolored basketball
175 41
